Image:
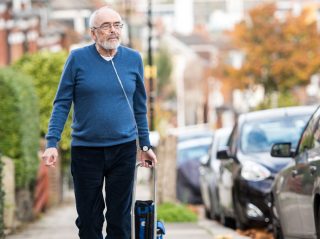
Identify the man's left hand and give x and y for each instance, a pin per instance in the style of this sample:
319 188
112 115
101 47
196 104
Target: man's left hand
148 156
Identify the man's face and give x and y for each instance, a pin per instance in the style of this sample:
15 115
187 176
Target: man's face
107 30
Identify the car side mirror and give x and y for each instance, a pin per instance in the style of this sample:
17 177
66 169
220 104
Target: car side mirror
223 154
282 150
204 160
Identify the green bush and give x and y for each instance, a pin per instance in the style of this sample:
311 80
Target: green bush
45 69
1 202
19 125
281 99
169 212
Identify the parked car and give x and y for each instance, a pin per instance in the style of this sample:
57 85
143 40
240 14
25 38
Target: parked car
190 149
296 189
247 169
209 171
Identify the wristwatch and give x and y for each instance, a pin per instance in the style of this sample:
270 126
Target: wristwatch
145 148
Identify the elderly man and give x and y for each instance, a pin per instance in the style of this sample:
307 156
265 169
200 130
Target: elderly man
104 81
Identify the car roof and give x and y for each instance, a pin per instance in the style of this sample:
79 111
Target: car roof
191 132
204 141
195 135
277 112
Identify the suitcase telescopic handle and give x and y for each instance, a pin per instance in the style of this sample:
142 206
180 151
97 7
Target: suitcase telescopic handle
154 186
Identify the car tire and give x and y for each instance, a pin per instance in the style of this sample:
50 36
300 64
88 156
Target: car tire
226 221
208 210
276 226
239 225
276 230
214 212
184 194
317 220
217 214
207 213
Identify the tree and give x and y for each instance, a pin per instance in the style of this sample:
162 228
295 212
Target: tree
164 69
165 89
279 53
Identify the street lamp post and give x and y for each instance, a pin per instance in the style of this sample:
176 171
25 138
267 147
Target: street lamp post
128 20
150 67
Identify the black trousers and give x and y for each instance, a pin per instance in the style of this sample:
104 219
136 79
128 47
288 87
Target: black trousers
90 166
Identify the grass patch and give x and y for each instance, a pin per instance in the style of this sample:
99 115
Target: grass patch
170 212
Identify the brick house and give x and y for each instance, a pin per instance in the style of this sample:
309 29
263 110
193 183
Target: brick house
21 31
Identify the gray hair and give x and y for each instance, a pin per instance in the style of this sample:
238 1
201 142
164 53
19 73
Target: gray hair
94 14
92 18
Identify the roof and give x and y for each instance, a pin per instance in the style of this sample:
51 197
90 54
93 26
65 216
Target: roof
193 39
191 131
73 4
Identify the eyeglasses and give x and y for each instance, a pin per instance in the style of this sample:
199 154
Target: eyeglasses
107 26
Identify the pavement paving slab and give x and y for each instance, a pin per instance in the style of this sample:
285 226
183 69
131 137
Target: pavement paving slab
57 223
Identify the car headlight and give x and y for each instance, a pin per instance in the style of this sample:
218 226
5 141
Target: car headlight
254 172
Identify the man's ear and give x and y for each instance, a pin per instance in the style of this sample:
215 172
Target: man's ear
93 34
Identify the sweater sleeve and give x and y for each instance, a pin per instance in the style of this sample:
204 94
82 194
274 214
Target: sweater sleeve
140 107
62 104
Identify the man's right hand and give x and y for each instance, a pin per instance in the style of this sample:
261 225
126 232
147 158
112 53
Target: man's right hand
50 156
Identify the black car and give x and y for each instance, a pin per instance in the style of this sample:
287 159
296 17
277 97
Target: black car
247 169
296 189
209 171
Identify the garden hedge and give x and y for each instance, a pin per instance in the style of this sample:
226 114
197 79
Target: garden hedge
19 125
1 202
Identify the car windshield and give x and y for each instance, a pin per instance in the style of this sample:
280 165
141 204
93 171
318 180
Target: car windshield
260 136
192 153
193 149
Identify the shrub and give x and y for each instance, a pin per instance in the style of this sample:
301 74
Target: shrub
19 125
45 69
170 212
1 202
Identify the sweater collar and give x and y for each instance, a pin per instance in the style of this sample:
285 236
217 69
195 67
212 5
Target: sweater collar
116 56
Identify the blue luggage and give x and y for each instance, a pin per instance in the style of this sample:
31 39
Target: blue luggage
144 214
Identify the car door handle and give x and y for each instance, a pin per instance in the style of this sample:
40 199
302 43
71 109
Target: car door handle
313 169
294 173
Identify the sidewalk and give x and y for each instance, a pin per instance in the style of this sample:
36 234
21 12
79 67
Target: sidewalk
58 223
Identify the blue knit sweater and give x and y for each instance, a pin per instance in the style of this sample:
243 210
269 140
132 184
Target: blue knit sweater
101 115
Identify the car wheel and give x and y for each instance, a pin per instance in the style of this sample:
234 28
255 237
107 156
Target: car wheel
217 211
207 213
276 229
214 212
276 226
318 224
184 194
207 210
239 224
226 221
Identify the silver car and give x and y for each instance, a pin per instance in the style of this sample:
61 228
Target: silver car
209 173
296 190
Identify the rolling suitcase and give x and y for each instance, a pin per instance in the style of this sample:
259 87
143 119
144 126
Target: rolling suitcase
144 214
